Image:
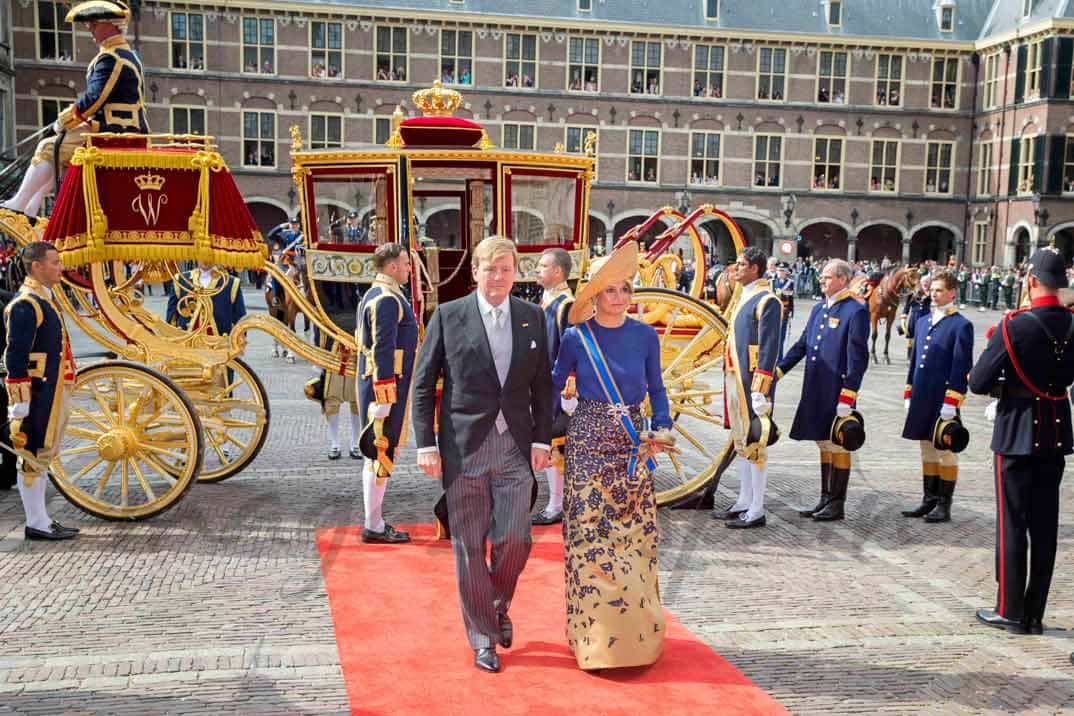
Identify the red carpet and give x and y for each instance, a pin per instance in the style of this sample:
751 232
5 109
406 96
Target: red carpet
404 651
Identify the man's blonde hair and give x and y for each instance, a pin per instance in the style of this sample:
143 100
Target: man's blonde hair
493 247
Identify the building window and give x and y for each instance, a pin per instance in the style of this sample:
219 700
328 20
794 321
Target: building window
947 19
991 80
1068 165
708 71
188 41
1027 8
585 5
259 45
980 243
771 73
1033 62
326 131
49 108
326 49
259 139
576 139
889 80
457 57
520 60
884 175
944 94
645 67
712 9
643 156
55 37
767 159
939 159
1026 158
705 157
827 164
832 77
188 120
391 54
382 130
835 13
984 170
583 64
519 136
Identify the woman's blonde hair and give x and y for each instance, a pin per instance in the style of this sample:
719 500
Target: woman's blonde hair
493 247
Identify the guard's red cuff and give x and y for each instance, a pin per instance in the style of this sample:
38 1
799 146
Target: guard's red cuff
953 398
906 392
848 396
384 391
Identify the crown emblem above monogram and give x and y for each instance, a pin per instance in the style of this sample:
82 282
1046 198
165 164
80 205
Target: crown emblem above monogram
437 101
149 182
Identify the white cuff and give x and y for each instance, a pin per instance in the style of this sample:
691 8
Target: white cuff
546 448
424 450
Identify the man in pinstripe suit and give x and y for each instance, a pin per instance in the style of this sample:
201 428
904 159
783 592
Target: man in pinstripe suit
495 412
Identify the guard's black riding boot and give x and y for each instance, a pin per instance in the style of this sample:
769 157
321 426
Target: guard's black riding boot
942 511
931 497
834 509
825 489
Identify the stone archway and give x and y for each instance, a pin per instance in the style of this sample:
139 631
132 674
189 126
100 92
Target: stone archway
755 233
1064 243
932 243
1023 245
266 216
719 245
598 231
877 241
624 225
823 240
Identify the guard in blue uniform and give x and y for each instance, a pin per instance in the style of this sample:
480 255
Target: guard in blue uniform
916 305
40 377
553 270
834 346
750 359
935 389
206 296
113 101
387 337
1029 365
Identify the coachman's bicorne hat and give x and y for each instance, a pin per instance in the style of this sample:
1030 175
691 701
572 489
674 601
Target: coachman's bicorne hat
111 11
848 432
950 435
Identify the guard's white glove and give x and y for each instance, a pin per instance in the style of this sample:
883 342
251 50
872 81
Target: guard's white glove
990 411
906 404
842 410
569 405
381 410
761 406
947 412
57 127
18 411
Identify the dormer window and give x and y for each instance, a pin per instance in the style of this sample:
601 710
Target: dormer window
835 13
1027 8
585 5
947 19
712 9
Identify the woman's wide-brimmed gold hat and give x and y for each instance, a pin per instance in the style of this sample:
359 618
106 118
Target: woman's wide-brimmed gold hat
619 265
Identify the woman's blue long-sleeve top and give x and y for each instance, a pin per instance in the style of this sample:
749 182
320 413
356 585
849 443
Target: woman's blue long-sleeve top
632 352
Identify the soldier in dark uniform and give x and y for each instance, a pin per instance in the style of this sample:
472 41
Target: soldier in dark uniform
935 389
916 305
553 269
353 233
834 346
387 337
40 376
783 287
206 295
1029 362
113 101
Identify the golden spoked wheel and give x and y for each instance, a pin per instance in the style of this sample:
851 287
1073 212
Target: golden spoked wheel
132 446
234 412
691 336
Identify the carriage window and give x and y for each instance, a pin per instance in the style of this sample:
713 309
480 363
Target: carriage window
188 41
348 207
54 36
543 210
259 45
382 129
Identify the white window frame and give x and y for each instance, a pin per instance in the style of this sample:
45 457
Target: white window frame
708 72
829 81
185 42
948 12
327 51
583 131
938 168
981 240
881 170
646 69
377 123
584 65
1068 165
984 168
712 9
705 158
886 82
834 10
324 143
258 46
767 161
991 81
259 139
585 5
393 32
1027 8
825 162
1026 162
644 157
60 27
944 82
771 75
43 119
188 109
521 61
1033 67
455 58
517 129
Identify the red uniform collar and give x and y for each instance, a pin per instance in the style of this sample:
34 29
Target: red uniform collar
1040 301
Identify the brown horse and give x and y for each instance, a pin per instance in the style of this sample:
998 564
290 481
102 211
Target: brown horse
883 302
286 309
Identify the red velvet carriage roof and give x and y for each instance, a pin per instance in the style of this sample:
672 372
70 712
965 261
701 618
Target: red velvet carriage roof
137 198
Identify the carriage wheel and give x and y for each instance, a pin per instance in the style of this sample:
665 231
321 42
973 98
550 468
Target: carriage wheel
234 413
691 336
132 446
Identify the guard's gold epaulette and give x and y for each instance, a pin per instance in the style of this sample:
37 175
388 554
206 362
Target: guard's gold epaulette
35 302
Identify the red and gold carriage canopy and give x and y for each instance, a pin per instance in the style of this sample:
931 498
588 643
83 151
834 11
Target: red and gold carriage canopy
138 199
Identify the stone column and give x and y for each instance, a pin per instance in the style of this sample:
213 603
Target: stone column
906 249
609 241
852 247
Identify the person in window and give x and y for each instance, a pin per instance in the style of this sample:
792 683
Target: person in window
512 80
527 81
318 70
638 85
180 61
874 184
591 86
250 66
777 95
199 63
762 93
465 79
382 73
447 77
716 92
773 180
633 175
650 175
839 97
833 182
822 95
267 66
654 87
881 97
759 180
698 89
889 184
893 98
943 186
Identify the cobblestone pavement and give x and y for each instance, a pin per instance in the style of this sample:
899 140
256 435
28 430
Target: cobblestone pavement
219 606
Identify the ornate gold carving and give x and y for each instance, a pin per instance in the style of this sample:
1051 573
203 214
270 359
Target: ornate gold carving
437 101
296 138
485 142
149 182
589 146
559 148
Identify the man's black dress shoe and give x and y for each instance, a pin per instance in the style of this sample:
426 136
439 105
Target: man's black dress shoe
486 660
728 515
507 631
1033 627
57 527
743 524
54 536
992 619
334 454
543 518
389 535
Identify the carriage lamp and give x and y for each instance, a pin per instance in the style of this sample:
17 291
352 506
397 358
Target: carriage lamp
790 201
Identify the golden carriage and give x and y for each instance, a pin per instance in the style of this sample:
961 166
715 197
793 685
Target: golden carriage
180 406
